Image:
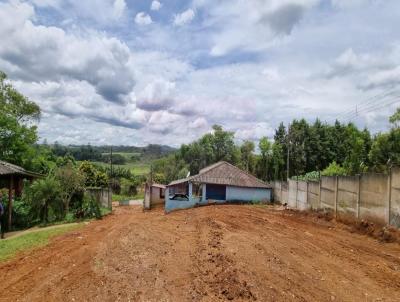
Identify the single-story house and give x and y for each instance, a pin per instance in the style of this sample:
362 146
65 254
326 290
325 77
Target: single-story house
154 195
11 177
218 183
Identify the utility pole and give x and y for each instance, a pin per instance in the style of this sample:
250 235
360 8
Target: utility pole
288 153
110 184
151 174
111 165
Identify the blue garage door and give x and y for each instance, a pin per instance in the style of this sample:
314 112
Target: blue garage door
216 192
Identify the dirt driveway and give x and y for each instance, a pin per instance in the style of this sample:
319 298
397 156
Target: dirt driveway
215 253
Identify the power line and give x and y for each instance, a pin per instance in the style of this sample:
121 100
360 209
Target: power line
374 107
373 100
373 104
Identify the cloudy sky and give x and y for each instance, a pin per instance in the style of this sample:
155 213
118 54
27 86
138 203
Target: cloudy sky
140 71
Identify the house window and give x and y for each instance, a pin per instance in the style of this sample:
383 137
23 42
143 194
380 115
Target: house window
162 193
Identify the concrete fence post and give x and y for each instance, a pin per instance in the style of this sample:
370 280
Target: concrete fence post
307 194
358 196
389 201
336 195
281 196
297 190
319 193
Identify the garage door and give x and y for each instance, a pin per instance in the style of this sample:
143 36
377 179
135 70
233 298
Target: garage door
216 192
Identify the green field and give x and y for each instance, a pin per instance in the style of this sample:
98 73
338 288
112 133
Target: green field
137 167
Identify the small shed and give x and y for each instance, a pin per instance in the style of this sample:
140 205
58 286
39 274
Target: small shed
12 176
218 183
154 195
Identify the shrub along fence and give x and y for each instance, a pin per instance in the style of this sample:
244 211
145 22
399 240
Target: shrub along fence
374 197
103 196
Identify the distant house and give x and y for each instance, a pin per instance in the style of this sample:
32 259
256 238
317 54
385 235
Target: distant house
218 183
154 195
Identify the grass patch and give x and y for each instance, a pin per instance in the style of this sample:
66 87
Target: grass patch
105 211
10 247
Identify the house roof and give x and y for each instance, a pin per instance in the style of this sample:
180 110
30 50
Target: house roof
179 181
223 173
158 186
10 169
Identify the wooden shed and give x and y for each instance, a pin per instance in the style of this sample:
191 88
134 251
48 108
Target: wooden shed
11 177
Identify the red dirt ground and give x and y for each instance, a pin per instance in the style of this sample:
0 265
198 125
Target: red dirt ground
215 253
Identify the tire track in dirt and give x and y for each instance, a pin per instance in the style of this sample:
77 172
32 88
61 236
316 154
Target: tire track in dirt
217 276
216 253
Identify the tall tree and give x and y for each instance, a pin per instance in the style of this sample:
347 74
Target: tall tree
17 115
247 150
264 163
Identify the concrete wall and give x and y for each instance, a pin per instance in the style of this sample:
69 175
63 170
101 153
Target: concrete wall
347 195
247 194
395 198
102 196
328 186
172 205
147 197
313 194
302 195
374 197
292 192
156 196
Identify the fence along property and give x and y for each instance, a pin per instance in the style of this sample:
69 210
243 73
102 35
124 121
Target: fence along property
374 197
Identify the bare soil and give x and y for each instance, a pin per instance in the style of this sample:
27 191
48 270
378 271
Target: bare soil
215 253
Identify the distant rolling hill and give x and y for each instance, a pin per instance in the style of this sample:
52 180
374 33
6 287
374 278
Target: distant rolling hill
137 159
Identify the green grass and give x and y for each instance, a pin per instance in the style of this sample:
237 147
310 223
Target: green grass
105 211
10 247
127 155
139 168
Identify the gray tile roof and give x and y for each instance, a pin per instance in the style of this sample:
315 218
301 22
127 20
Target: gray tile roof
223 173
10 169
158 186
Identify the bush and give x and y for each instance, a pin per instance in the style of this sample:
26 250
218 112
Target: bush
128 187
22 213
91 208
93 176
334 170
311 176
23 216
44 197
70 217
116 186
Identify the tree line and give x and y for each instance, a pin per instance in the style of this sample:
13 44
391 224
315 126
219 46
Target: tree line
312 149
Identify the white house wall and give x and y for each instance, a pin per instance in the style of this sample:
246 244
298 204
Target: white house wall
247 194
155 196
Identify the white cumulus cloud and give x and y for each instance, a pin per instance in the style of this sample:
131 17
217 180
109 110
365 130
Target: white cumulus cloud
155 5
184 18
143 19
